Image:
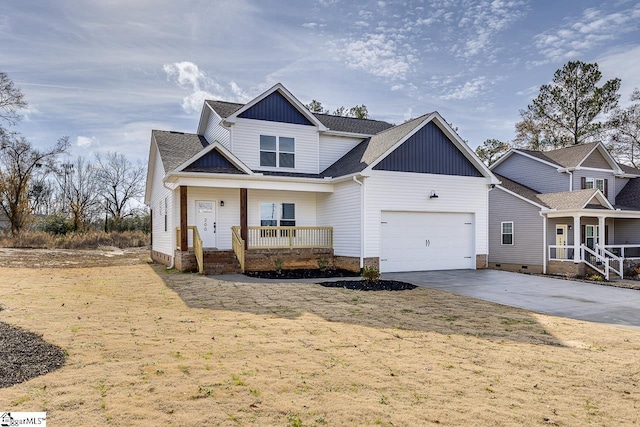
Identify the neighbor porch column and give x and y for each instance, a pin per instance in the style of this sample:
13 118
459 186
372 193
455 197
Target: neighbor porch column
576 239
184 240
243 217
601 235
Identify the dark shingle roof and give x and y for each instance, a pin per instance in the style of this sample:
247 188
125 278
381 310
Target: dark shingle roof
336 123
177 147
629 169
365 153
629 196
567 157
521 190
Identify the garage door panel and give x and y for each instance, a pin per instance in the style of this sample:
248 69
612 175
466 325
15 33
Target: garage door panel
412 241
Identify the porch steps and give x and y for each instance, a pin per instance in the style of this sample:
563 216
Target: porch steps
220 262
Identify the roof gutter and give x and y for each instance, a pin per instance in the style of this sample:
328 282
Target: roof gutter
362 221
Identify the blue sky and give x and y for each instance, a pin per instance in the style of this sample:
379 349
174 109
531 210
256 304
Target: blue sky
107 72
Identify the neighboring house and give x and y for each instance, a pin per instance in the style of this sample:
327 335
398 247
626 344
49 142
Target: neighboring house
269 182
557 211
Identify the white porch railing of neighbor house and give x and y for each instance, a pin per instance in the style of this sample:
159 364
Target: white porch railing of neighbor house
560 253
625 251
601 260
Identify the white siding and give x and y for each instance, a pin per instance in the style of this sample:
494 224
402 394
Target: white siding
334 147
226 216
245 143
215 131
162 240
341 210
305 205
398 191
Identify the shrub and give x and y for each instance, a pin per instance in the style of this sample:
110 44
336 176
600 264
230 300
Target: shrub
76 240
323 264
371 274
596 278
278 264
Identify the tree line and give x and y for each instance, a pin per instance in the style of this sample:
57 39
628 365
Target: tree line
575 109
72 194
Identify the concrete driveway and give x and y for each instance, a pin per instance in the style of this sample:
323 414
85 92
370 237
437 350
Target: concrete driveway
565 298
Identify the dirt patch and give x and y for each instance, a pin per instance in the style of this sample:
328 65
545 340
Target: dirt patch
150 346
106 256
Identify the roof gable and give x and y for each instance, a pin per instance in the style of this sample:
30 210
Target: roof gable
428 150
574 200
213 162
275 108
596 160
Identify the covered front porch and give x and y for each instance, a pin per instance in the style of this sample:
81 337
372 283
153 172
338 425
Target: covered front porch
599 240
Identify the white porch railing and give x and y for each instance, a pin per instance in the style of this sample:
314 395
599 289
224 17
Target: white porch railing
289 237
560 253
625 251
601 260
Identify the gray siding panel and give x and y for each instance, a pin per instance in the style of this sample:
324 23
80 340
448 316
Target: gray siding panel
429 151
596 160
534 174
627 232
579 174
619 184
527 230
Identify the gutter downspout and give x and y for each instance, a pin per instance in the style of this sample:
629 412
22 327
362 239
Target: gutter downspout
570 181
544 243
362 221
173 244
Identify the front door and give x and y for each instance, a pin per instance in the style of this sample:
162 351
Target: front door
561 241
206 222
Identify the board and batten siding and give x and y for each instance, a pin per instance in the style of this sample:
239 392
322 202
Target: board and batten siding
333 148
305 205
162 240
215 131
226 216
245 143
582 173
403 191
341 210
529 172
527 248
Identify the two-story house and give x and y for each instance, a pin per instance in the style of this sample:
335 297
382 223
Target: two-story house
558 211
269 182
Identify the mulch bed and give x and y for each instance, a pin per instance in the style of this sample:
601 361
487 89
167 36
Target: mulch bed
302 273
364 285
25 355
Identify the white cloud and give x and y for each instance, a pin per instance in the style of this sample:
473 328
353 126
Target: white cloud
593 29
378 55
86 141
468 90
188 76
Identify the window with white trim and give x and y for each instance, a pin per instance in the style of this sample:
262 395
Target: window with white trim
594 183
507 232
273 214
277 152
166 204
589 183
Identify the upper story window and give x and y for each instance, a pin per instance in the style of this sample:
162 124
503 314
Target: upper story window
277 152
598 183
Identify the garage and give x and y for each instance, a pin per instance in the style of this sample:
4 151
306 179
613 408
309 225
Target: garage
417 241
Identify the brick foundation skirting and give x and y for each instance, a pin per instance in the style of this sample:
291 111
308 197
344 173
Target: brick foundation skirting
161 258
565 268
266 259
481 261
517 268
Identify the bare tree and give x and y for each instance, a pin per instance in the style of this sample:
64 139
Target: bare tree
20 162
122 182
80 186
625 126
11 100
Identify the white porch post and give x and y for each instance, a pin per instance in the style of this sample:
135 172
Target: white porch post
545 250
576 239
601 231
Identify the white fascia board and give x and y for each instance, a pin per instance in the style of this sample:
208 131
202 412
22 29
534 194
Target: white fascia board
500 187
226 153
154 156
583 168
289 96
346 134
204 117
626 175
621 214
502 158
199 179
603 200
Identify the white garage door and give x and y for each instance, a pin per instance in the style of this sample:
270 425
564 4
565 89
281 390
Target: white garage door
415 241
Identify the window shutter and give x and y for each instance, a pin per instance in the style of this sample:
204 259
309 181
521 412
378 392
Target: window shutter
583 234
606 234
606 188
583 183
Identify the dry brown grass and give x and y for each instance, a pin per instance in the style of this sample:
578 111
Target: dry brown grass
77 240
150 347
